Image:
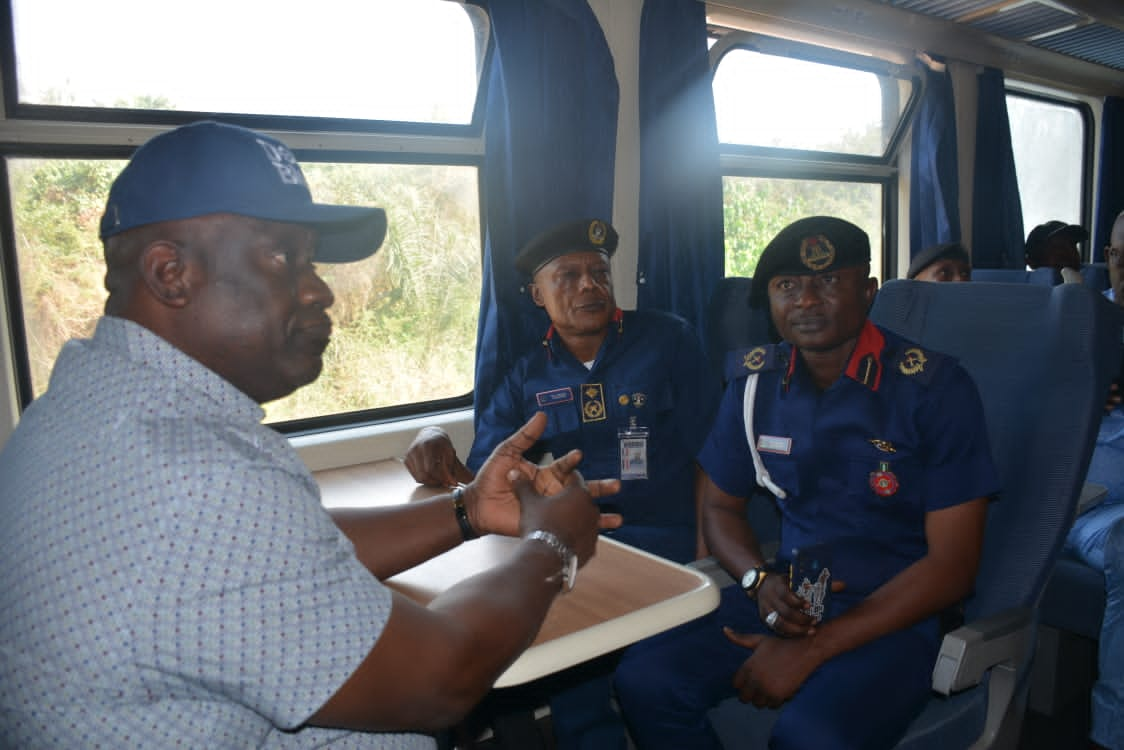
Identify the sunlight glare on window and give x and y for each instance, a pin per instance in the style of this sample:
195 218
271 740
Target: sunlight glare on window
1047 139
325 59
780 102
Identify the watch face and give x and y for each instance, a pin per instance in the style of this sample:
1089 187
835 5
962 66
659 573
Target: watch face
749 580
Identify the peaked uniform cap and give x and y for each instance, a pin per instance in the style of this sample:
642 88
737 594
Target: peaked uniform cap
584 235
209 167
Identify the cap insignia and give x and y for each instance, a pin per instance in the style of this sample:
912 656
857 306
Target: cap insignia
754 359
598 232
913 361
817 252
284 162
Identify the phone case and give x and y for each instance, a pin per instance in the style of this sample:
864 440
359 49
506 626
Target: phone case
810 578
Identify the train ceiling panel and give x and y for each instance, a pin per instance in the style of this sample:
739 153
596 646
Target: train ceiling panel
1089 30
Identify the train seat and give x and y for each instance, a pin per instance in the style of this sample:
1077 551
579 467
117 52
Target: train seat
1042 357
1040 276
1095 276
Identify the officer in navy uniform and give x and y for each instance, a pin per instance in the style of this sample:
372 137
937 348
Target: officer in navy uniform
876 452
628 389
632 391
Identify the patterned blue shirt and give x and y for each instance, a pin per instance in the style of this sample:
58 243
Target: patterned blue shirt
168 576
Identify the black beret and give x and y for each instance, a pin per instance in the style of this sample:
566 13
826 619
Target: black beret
933 253
586 235
806 246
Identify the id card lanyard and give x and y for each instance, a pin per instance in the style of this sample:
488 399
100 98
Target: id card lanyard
633 441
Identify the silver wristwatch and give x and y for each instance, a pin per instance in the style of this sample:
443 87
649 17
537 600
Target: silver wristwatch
569 570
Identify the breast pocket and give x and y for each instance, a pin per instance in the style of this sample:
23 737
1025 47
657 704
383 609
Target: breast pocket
784 472
885 488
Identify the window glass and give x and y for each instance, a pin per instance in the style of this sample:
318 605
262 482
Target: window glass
410 308
285 57
756 208
774 101
1048 140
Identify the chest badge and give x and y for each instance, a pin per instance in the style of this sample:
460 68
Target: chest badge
883 445
593 403
884 482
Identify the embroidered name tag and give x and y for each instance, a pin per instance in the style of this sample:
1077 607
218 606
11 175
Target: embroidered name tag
557 396
774 444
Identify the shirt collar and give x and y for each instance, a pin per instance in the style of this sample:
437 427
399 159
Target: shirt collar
865 364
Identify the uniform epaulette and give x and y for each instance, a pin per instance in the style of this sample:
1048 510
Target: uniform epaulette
740 362
918 363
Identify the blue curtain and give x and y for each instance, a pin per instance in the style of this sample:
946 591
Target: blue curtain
934 191
997 214
1110 188
682 251
550 147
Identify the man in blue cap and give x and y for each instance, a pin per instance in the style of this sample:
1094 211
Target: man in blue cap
876 453
168 574
630 390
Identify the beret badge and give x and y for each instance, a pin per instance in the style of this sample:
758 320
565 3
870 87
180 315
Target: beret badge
598 232
817 252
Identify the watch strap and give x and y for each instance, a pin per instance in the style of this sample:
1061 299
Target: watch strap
569 571
467 532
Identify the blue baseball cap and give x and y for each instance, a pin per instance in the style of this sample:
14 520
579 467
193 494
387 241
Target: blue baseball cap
210 167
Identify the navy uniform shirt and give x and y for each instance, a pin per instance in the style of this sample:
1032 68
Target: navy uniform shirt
900 434
650 373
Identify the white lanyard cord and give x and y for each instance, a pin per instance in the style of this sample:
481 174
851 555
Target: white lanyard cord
762 474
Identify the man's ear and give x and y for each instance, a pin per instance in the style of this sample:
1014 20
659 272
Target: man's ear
871 290
165 272
536 294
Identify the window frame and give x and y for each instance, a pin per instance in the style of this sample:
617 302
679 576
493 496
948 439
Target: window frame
61 132
739 160
14 109
1088 154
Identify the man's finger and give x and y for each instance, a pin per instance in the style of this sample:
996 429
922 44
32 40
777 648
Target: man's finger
525 437
610 521
748 640
603 487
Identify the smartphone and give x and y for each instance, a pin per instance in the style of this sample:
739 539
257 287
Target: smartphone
809 576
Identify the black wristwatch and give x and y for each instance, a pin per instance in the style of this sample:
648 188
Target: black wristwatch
752 580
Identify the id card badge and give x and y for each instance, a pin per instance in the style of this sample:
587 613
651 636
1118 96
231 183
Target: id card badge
633 452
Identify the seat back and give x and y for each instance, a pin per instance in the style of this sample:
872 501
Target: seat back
1041 276
1042 358
731 324
1095 276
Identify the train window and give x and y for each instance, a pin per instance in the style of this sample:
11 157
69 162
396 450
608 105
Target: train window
805 130
786 103
410 308
1050 143
756 208
283 58
410 142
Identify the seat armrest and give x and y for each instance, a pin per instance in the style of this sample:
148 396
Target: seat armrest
710 566
972 649
1091 496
